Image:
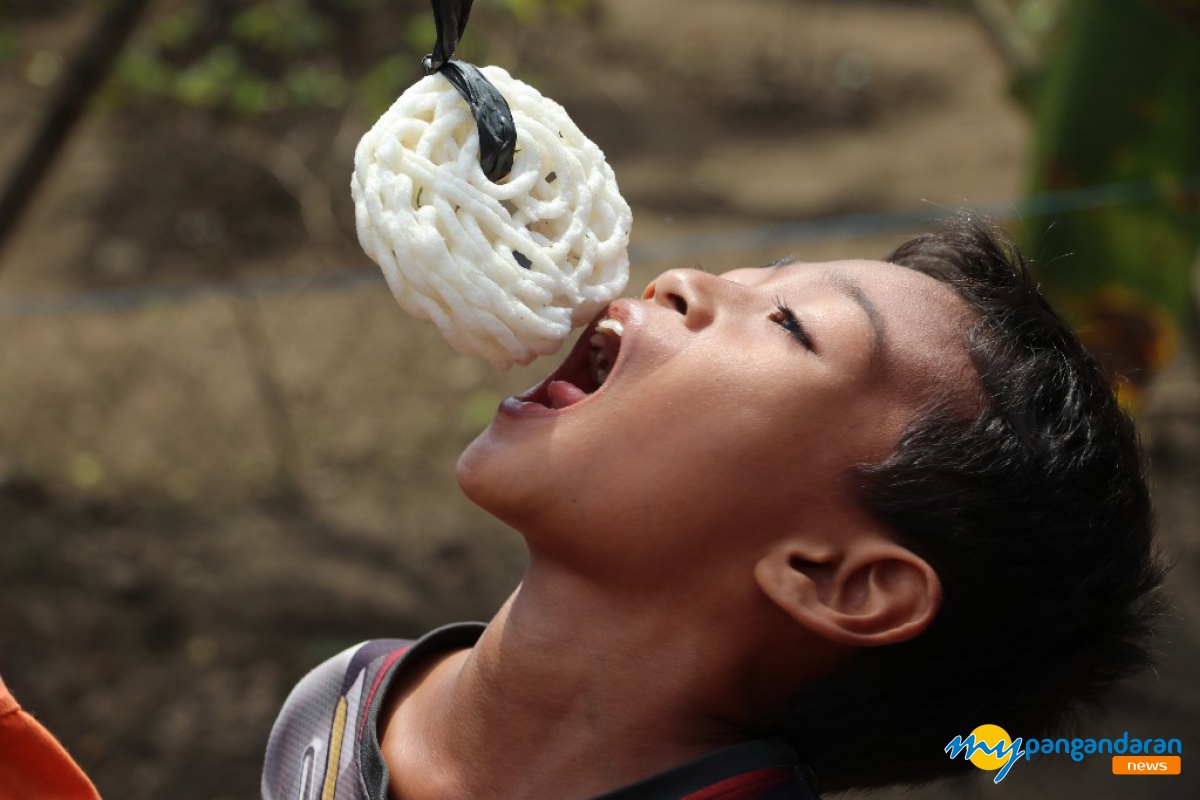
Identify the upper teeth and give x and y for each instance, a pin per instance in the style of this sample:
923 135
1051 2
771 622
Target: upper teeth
610 325
597 354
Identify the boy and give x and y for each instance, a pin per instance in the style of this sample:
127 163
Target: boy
773 517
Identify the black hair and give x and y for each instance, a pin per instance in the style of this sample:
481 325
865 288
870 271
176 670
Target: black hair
1036 516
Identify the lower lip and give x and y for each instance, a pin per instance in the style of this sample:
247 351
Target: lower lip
515 407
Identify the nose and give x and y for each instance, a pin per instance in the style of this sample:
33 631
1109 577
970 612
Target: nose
690 292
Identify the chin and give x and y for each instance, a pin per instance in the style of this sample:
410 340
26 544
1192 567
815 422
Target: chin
489 481
472 467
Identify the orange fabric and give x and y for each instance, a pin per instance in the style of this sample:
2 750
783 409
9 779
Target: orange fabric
33 765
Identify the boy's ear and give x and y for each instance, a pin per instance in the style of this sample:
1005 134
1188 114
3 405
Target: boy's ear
865 592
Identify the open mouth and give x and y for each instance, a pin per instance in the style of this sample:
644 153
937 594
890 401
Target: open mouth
586 368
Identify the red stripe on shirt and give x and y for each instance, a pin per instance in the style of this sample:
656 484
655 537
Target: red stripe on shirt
383 670
742 787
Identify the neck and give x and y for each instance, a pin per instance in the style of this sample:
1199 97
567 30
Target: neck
580 688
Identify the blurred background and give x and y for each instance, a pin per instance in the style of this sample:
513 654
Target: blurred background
225 454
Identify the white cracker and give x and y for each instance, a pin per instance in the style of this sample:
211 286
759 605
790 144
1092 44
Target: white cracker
445 235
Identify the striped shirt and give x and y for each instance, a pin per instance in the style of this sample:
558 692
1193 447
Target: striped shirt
325 742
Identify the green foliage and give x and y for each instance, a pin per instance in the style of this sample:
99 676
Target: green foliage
1117 106
380 87
266 57
9 44
248 58
206 81
524 10
287 28
1039 17
529 10
420 32
174 30
311 84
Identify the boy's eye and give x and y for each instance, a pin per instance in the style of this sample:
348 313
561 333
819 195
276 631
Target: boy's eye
785 318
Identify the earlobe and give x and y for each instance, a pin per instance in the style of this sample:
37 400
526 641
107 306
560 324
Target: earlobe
870 593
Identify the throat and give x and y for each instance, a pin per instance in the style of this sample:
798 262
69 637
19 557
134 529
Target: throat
513 717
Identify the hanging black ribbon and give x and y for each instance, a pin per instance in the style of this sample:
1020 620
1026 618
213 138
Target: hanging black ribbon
493 118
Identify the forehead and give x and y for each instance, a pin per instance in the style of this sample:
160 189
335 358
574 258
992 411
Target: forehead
879 278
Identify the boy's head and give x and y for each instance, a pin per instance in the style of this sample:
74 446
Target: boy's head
1035 514
896 496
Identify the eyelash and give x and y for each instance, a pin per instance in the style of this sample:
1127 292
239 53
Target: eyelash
785 318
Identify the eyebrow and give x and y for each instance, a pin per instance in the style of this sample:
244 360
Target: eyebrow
851 288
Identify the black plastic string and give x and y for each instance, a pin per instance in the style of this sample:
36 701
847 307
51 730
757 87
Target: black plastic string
493 118
450 19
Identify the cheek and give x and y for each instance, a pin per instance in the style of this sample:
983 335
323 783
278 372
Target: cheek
781 442
718 454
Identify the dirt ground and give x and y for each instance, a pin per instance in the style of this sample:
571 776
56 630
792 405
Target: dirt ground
202 498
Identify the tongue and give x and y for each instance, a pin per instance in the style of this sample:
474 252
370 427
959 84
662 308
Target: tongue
563 394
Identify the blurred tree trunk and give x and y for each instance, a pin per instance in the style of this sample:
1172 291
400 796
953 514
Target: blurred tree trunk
1120 102
83 76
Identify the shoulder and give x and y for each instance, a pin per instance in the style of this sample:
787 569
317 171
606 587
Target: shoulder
325 741
312 741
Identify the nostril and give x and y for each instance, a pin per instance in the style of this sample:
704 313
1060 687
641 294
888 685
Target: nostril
679 303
